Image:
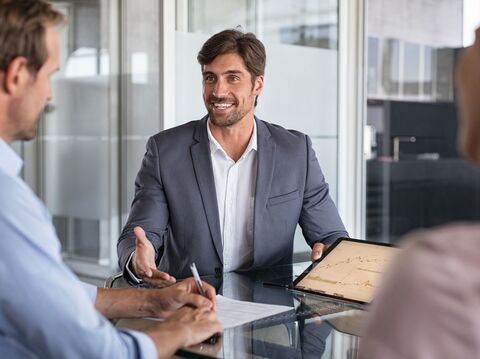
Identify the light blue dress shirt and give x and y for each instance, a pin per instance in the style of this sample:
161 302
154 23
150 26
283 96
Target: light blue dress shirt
45 311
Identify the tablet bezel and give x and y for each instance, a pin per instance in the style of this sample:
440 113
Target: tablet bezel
324 255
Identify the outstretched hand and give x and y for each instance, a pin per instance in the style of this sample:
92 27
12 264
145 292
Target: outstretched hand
143 262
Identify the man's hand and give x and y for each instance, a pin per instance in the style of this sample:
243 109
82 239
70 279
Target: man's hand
166 300
317 250
143 262
186 327
161 303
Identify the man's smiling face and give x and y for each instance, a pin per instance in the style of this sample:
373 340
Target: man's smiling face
228 91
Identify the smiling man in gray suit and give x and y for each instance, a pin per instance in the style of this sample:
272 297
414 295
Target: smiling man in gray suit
226 191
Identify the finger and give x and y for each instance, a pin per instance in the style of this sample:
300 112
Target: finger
212 318
204 314
190 286
317 251
196 300
159 283
211 294
140 235
184 313
160 279
156 274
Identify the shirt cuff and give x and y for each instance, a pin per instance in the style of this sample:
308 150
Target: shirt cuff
91 291
129 272
146 346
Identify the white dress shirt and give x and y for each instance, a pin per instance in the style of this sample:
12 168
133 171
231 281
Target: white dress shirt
235 189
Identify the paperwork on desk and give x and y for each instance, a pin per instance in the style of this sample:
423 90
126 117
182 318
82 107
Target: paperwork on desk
232 313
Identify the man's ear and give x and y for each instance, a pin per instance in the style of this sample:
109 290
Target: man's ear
258 86
15 76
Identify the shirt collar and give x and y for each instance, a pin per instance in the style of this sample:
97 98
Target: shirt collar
215 146
10 162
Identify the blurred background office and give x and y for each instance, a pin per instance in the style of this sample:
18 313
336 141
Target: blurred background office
371 81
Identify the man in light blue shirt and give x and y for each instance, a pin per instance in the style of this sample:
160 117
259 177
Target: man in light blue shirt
45 311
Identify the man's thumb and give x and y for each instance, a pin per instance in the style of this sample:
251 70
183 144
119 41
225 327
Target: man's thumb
140 235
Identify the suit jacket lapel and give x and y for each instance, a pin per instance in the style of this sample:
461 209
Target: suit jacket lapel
265 166
202 165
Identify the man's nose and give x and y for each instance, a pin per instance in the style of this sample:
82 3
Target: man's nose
221 89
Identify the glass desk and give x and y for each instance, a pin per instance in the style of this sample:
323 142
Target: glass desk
316 327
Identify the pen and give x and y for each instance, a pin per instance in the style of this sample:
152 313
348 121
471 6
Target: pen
198 282
197 279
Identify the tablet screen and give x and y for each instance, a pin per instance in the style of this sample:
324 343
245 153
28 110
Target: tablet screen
350 270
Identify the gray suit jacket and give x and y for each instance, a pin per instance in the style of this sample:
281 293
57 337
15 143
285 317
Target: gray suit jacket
175 200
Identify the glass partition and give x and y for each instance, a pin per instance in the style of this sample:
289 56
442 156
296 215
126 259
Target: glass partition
141 84
78 140
415 177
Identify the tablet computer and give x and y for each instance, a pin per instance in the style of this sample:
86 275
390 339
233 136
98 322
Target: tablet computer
349 270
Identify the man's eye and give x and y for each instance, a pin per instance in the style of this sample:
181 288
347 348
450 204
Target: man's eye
209 78
234 78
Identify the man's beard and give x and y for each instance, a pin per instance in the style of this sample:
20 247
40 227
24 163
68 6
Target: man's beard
227 120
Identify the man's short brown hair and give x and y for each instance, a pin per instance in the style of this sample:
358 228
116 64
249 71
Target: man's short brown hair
22 31
246 45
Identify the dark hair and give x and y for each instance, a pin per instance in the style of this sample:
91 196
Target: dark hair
246 45
22 31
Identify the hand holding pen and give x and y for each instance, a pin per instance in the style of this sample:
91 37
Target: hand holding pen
198 282
206 290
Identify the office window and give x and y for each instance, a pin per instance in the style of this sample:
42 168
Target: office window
92 136
77 143
140 89
301 73
415 177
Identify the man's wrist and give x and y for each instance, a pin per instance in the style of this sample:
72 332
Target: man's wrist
171 337
180 331
145 300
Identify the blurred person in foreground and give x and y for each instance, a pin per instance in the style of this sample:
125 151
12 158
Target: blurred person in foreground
45 311
429 304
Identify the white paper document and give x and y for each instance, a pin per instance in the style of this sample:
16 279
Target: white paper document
232 313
